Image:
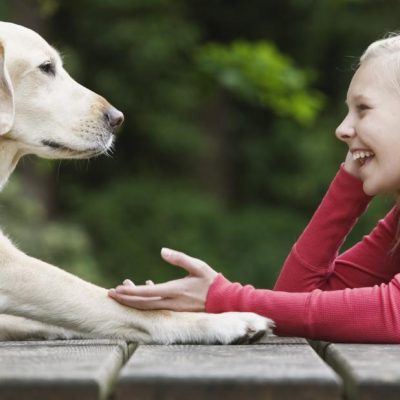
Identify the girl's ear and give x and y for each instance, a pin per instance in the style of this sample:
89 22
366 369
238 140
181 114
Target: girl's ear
6 95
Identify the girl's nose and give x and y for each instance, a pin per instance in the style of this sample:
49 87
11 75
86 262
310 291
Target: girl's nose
345 131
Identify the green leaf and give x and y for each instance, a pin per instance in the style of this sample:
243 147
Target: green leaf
258 73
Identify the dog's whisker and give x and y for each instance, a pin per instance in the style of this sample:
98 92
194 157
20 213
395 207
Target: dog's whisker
58 170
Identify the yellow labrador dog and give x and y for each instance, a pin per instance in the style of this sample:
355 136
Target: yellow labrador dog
43 111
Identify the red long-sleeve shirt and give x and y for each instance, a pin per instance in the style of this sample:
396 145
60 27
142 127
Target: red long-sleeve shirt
351 297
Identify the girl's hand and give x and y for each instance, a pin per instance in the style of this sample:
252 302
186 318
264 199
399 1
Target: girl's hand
186 294
352 166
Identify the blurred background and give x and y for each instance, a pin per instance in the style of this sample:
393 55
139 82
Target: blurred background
228 143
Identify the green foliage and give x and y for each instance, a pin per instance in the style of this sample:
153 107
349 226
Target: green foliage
152 214
260 74
48 8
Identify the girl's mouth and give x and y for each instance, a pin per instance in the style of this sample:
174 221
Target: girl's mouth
362 156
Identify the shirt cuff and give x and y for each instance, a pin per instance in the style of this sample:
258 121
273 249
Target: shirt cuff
217 300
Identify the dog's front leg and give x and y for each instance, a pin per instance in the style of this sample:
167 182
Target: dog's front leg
34 289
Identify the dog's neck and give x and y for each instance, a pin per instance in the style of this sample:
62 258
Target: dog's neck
10 153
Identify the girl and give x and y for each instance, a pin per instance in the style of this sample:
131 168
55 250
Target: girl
351 297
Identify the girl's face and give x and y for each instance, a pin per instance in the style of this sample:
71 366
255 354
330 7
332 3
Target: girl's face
371 127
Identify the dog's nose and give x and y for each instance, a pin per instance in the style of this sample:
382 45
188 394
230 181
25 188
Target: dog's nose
114 117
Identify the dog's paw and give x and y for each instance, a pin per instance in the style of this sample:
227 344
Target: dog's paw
241 328
204 328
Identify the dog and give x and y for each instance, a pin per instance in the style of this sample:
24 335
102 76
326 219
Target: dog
43 111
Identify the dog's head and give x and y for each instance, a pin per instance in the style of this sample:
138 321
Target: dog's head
42 108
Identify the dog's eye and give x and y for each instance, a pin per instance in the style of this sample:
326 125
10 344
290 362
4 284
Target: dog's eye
48 68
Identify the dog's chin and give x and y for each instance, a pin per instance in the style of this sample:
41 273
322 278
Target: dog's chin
53 149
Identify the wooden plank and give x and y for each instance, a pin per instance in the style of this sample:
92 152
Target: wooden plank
50 370
369 371
282 368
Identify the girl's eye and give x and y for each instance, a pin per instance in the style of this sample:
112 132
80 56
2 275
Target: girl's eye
362 107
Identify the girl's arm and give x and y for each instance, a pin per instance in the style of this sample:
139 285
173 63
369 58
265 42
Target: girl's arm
369 315
371 261
314 261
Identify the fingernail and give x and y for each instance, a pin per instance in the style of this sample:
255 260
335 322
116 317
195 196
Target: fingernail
128 282
165 252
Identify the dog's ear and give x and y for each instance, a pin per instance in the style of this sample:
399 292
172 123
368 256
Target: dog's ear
6 95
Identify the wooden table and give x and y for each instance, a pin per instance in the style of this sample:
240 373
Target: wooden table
279 368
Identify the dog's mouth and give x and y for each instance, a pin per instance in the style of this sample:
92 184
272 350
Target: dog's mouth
70 152
57 146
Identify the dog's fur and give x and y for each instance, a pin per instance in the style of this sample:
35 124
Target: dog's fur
43 111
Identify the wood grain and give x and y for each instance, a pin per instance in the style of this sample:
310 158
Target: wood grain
369 371
283 368
75 369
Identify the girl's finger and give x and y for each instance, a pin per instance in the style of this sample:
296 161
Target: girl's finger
128 282
149 282
152 303
192 265
142 303
167 289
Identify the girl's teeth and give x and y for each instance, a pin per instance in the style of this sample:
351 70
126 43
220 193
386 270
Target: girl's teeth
361 155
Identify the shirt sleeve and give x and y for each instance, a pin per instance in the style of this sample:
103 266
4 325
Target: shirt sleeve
367 315
373 260
314 260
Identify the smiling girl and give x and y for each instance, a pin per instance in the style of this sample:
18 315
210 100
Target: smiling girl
351 297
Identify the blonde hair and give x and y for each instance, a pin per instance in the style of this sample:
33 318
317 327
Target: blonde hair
387 49
386 46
